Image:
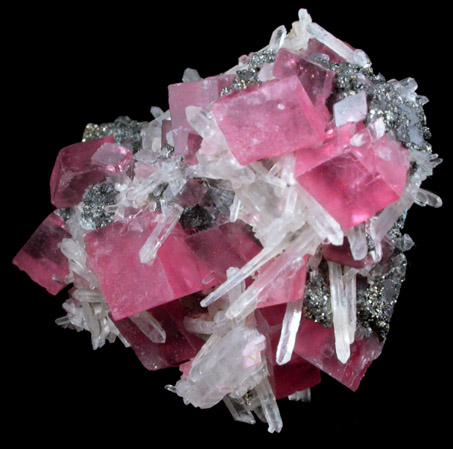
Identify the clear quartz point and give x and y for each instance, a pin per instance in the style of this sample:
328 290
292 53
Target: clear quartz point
269 406
303 396
290 326
150 327
239 410
427 198
167 221
340 312
277 38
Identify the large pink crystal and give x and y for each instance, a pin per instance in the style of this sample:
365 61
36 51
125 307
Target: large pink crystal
317 81
41 257
184 264
316 344
130 286
353 183
275 118
74 172
179 346
225 246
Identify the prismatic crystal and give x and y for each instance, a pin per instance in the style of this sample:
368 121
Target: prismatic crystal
252 234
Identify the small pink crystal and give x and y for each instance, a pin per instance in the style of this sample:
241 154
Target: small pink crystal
74 172
342 255
166 128
316 344
41 257
356 182
314 46
270 120
194 93
251 354
179 345
192 193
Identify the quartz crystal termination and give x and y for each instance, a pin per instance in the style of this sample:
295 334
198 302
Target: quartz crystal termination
252 235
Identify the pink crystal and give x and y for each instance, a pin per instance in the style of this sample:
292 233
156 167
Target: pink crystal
74 172
317 81
195 93
41 257
179 346
131 287
185 369
270 120
297 374
166 128
184 264
342 255
113 158
316 344
192 193
336 141
287 287
251 354
355 183
229 245
314 46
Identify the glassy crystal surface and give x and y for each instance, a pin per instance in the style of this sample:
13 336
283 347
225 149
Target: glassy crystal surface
270 120
252 234
41 257
74 172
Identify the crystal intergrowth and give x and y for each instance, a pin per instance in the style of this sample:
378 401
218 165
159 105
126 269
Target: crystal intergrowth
252 234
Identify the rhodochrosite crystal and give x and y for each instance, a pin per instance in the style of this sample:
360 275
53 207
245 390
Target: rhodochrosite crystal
251 235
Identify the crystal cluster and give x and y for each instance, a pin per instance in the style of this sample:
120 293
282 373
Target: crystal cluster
252 234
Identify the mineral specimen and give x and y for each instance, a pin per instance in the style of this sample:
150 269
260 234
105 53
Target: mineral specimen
252 234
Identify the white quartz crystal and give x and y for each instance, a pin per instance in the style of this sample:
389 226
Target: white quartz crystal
290 326
337 45
340 312
357 242
303 396
190 75
149 326
165 224
277 38
351 109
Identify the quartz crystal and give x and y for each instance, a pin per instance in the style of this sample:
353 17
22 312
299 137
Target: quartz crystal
252 234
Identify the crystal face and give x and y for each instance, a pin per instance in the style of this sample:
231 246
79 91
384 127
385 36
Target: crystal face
269 120
252 234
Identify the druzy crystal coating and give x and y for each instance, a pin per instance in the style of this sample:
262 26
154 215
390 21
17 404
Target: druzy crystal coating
252 234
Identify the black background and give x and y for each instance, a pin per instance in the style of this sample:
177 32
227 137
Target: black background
73 64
